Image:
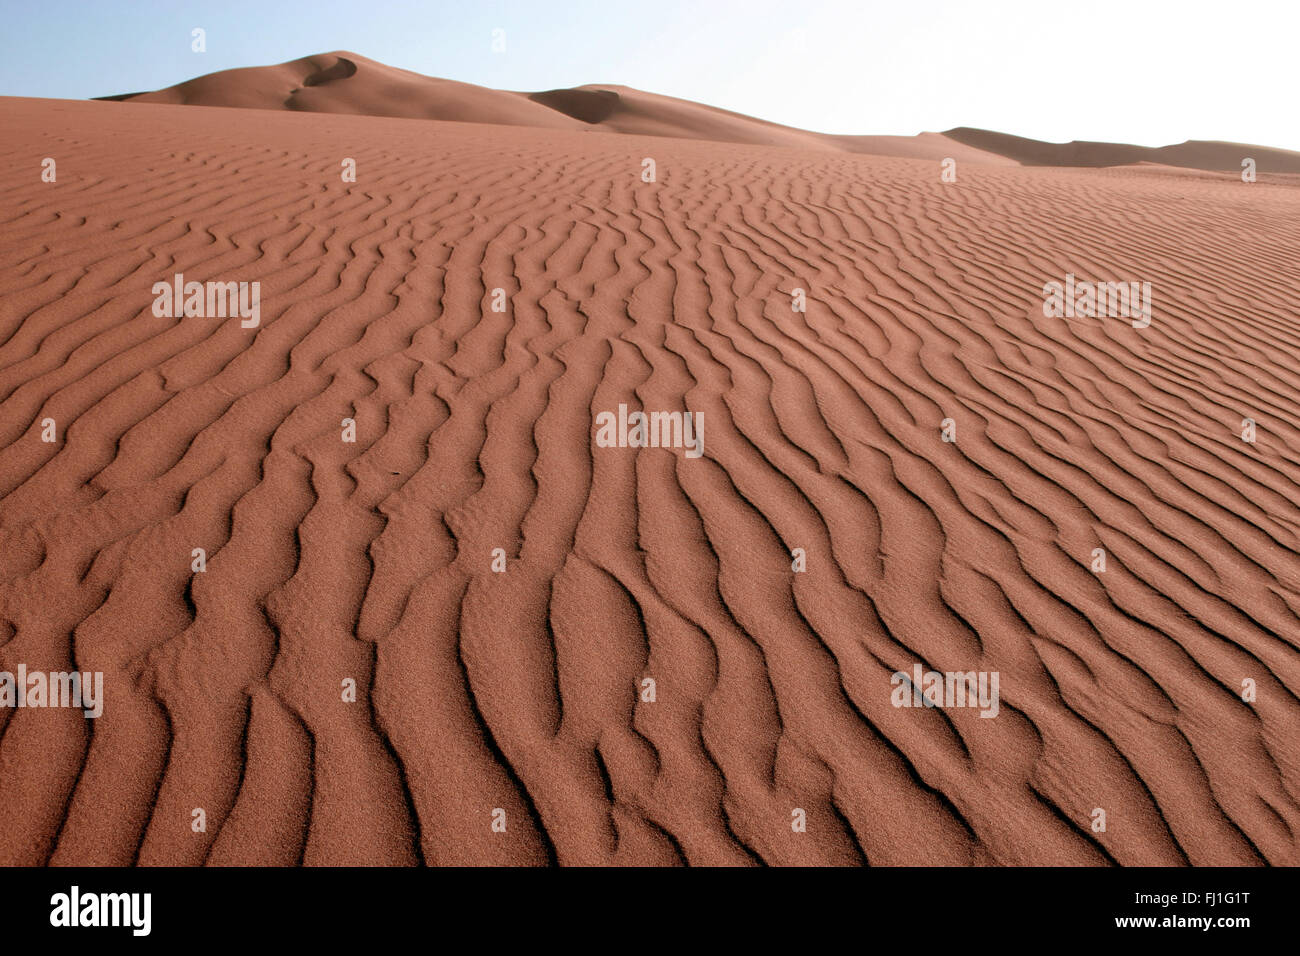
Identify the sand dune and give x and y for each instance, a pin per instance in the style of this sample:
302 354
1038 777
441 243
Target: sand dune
348 83
1190 155
345 82
520 691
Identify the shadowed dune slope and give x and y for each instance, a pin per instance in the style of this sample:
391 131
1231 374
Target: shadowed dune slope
329 562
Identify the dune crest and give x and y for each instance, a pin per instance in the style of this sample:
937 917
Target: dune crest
1189 155
343 82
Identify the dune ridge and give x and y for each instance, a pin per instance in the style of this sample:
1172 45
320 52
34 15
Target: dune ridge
520 691
1193 154
358 85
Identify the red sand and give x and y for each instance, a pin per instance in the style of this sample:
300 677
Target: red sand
519 690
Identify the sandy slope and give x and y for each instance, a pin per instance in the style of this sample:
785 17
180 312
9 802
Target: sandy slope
517 691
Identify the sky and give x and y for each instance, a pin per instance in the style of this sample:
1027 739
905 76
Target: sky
1148 72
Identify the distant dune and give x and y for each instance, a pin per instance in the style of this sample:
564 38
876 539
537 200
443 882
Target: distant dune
347 83
344 82
1191 155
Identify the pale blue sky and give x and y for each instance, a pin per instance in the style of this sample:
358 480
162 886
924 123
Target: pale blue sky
1139 71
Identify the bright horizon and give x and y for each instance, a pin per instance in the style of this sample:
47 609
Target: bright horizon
1147 73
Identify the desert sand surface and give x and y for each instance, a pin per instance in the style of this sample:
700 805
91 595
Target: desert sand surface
518 695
